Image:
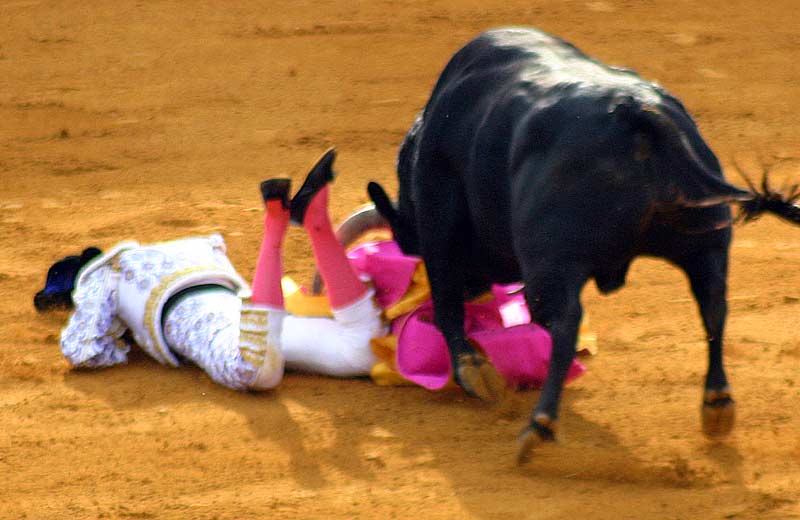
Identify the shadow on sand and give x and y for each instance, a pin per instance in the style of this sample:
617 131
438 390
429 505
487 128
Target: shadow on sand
362 431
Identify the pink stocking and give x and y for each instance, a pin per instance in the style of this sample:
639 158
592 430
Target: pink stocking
269 270
343 285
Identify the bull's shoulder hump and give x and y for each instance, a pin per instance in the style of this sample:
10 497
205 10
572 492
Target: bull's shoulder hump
534 58
499 48
520 37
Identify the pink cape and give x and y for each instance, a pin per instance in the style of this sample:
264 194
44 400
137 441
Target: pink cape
518 349
388 268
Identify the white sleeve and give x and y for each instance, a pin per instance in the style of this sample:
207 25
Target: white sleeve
92 338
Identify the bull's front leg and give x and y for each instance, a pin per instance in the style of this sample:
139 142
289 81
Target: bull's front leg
444 234
471 370
707 273
444 261
554 301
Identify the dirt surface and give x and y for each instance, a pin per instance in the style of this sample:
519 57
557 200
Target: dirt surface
156 120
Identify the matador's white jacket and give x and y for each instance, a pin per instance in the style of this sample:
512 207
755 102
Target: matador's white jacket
127 287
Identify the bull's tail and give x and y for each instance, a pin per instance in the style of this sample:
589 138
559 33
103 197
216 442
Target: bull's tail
705 187
697 185
781 207
782 203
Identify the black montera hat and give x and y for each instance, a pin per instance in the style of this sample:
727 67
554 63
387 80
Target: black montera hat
61 276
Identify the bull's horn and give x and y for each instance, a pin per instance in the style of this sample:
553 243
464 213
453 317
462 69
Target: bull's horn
367 218
361 221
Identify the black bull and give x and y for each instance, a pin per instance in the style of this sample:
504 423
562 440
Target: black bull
534 162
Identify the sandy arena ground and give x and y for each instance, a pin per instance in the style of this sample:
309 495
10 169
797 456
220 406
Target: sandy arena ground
155 120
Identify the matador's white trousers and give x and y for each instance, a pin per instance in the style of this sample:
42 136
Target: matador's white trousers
245 346
338 346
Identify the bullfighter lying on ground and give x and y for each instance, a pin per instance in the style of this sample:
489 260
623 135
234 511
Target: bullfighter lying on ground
184 302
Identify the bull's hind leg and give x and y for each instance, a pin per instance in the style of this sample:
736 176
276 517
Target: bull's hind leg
445 233
554 301
708 274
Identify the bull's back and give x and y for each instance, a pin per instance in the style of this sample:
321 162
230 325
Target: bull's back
509 76
534 62
498 82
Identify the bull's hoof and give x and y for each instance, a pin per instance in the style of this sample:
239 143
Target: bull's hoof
479 378
719 413
540 430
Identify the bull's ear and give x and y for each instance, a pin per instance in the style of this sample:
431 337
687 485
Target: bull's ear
382 202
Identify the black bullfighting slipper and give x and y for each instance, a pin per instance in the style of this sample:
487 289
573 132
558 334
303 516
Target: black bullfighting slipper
321 174
273 189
